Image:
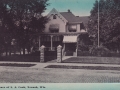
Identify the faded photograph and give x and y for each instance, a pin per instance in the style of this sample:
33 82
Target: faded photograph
59 41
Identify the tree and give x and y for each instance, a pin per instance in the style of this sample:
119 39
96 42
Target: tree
19 17
6 26
109 20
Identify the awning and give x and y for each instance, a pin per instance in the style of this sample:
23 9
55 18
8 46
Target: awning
54 27
70 39
72 27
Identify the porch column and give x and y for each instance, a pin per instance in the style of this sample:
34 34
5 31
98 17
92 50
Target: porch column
51 42
64 46
77 44
63 51
39 42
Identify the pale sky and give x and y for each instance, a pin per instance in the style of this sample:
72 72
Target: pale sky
77 7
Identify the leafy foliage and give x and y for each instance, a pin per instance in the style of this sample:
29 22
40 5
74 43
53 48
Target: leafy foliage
109 20
99 51
20 19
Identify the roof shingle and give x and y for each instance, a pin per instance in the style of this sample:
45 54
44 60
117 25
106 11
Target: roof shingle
71 18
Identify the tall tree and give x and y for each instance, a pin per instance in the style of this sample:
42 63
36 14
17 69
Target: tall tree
6 26
27 12
109 21
19 19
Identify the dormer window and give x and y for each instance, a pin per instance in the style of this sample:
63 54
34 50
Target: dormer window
54 17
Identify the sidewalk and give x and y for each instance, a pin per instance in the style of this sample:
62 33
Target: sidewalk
42 65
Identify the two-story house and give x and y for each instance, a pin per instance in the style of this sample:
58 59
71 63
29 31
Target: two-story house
63 28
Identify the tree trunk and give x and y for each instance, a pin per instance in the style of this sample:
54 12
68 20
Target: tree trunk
6 51
10 51
23 50
20 52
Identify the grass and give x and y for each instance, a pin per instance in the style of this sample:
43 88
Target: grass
16 65
93 60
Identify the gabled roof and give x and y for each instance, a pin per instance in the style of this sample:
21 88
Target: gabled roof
71 18
84 19
54 11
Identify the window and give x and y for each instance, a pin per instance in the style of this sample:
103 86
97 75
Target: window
54 31
72 28
54 28
54 17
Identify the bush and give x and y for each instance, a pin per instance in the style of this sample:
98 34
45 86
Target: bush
83 47
83 53
99 51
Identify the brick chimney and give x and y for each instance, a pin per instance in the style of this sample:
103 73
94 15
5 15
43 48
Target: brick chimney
69 11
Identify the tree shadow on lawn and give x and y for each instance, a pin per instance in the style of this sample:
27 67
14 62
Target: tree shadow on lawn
93 60
21 58
83 67
17 65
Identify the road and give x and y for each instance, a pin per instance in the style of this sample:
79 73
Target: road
39 74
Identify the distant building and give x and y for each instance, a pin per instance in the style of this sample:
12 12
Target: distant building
63 28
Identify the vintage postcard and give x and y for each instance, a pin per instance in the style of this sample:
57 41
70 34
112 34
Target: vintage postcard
59 44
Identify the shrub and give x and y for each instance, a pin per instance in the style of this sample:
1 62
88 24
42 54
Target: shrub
83 53
83 47
99 51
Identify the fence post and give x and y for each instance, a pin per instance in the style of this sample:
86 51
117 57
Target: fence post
59 54
42 57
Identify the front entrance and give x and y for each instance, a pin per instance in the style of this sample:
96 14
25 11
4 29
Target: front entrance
70 49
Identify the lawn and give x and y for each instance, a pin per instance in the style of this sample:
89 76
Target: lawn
93 60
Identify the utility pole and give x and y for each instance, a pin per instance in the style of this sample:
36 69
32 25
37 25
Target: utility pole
98 26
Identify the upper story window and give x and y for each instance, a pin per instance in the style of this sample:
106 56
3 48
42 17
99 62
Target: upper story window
54 17
72 28
54 28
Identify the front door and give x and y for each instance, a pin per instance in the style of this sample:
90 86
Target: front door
70 48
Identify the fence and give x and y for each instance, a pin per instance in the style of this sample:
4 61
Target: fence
50 54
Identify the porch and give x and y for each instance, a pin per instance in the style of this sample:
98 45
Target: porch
68 41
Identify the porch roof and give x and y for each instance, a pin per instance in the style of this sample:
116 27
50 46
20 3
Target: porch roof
61 33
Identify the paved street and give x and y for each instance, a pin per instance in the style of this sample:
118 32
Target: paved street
39 74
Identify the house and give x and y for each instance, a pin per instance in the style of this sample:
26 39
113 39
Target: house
63 22
63 28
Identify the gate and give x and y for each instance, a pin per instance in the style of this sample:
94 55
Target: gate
50 54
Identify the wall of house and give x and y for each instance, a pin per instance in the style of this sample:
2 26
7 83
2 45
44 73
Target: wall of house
58 20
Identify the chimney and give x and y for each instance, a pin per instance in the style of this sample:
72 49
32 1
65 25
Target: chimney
69 11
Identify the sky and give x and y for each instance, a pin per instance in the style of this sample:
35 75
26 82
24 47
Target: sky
77 7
